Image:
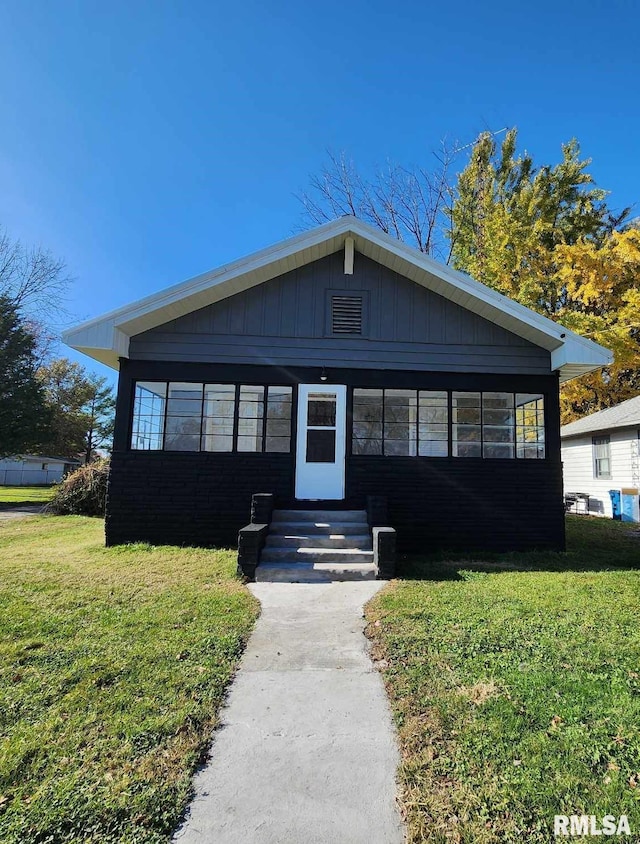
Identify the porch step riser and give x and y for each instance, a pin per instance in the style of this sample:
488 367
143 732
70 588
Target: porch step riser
315 555
319 516
318 528
307 573
336 542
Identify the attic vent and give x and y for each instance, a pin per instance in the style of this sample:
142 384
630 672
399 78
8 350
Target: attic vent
346 314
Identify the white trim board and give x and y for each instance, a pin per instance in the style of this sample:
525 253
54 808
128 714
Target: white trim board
106 338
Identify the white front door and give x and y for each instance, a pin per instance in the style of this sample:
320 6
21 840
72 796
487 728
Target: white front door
320 452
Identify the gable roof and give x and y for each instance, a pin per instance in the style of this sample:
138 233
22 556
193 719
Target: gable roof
623 415
106 338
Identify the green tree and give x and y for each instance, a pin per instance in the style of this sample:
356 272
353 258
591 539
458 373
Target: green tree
509 216
81 407
100 413
24 416
546 237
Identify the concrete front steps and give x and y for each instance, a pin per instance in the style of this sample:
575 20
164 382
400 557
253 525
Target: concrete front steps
317 546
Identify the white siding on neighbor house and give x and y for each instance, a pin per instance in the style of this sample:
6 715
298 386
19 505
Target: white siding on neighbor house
577 460
19 472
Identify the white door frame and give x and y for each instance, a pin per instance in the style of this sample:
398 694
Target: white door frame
321 481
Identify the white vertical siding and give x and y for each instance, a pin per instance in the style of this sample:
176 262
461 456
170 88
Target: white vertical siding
577 460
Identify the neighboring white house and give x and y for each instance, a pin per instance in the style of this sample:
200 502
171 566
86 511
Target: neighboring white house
34 469
601 452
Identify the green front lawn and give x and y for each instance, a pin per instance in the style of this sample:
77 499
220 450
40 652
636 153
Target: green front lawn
114 665
26 494
516 692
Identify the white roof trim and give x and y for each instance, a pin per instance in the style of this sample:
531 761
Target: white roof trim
106 338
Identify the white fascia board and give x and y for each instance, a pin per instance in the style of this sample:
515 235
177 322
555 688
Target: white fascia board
579 350
107 337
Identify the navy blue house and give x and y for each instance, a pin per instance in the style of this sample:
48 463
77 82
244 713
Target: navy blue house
337 365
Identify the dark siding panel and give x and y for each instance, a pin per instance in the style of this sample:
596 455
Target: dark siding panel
469 505
408 326
189 499
204 499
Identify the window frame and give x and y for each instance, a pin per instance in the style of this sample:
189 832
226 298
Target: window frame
606 441
235 422
541 396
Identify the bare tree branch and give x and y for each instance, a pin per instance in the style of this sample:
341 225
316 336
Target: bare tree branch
32 279
411 204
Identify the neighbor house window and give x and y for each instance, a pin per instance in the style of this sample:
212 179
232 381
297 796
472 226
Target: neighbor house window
186 416
416 423
602 457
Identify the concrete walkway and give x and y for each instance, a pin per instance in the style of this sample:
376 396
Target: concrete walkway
306 751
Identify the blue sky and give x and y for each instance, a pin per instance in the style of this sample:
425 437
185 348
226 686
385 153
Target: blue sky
149 141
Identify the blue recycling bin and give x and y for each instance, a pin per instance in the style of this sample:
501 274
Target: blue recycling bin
614 495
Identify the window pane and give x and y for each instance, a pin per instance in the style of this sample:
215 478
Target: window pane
214 426
279 403
466 415
217 443
278 428
530 426
250 428
278 444
399 432
182 442
321 410
494 434
251 409
400 428
497 400
148 415
433 414
468 433
497 450
433 428
434 448
184 407
321 446
219 400
185 390
400 448
249 443
467 449
360 447
465 400
433 432
367 430
183 425
251 393
278 434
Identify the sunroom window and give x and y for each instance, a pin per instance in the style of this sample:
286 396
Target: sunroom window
186 416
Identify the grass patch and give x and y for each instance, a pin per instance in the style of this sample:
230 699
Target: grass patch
114 665
516 693
14 495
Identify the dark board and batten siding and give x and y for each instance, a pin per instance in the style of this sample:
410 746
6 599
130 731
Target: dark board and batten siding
434 503
286 321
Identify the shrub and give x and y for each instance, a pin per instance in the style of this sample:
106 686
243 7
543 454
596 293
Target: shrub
83 492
